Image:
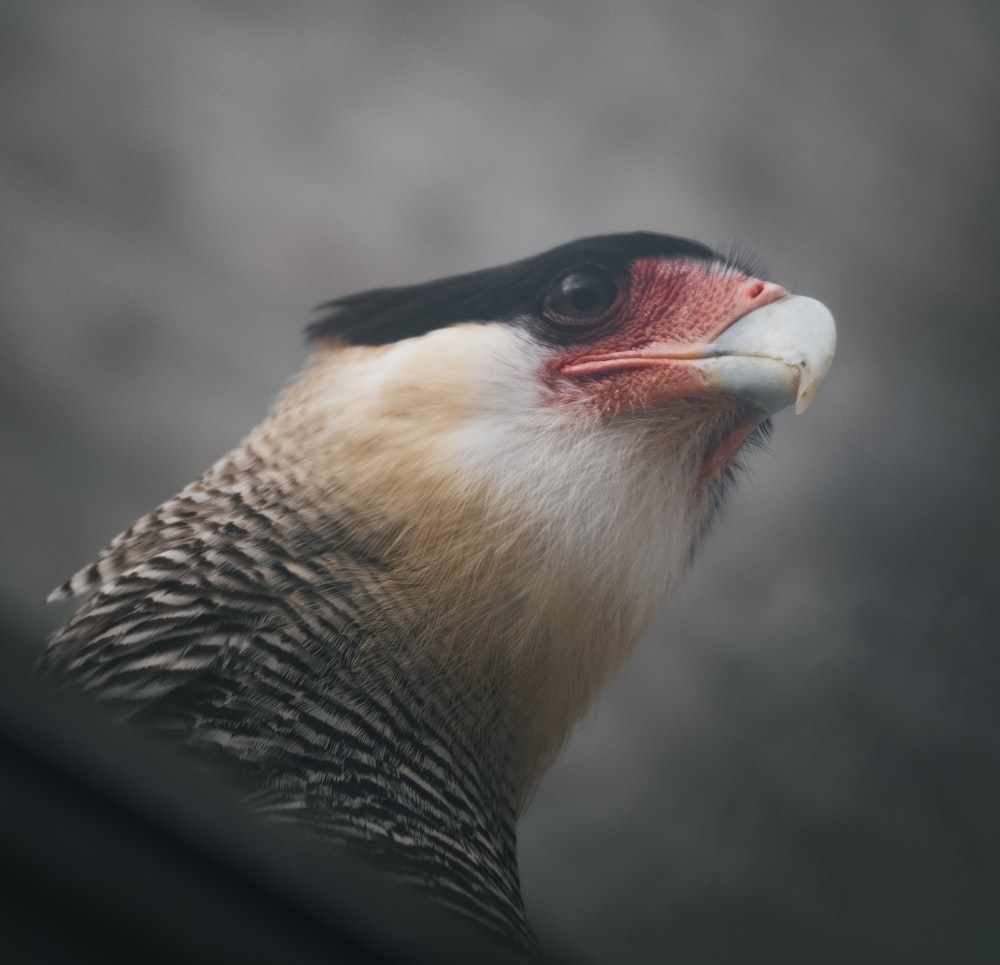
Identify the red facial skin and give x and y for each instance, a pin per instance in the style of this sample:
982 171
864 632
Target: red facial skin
672 310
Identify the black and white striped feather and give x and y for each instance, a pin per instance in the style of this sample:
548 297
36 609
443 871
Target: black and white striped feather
218 623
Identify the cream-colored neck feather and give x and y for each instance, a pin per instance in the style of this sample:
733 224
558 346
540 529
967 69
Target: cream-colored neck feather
529 542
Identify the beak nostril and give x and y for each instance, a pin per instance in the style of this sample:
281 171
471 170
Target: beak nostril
760 293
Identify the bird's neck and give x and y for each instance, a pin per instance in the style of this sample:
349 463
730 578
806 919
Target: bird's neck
450 648
499 569
341 707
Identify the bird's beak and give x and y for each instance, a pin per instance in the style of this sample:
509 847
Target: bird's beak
774 355
771 357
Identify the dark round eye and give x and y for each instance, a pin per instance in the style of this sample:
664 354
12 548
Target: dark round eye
581 295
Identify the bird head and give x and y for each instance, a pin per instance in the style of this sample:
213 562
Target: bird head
541 445
611 329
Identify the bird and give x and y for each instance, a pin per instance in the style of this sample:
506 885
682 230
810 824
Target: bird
383 612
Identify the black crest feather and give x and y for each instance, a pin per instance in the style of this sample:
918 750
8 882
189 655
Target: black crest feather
501 294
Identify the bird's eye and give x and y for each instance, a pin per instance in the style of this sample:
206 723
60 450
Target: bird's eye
580 296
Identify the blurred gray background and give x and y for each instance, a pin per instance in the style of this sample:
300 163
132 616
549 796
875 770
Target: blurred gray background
802 762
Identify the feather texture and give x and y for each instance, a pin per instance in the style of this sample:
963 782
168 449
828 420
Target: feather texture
384 611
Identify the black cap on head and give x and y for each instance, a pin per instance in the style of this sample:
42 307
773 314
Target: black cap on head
500 294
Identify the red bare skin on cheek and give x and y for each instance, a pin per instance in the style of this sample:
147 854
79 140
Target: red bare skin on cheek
670 306
676 303
633 389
